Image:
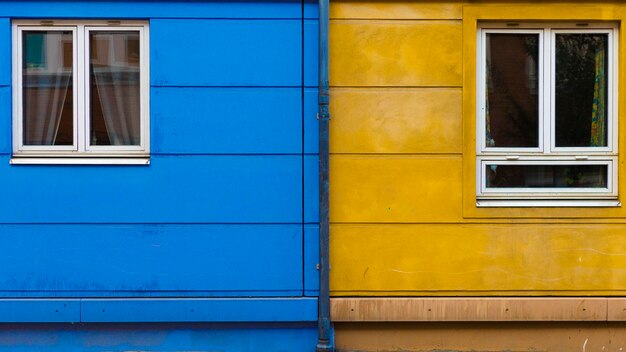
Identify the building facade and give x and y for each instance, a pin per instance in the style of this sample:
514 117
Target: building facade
435 244
160 162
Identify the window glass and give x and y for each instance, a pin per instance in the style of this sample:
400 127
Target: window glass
115 88
581 62
47 102
546 176
512 86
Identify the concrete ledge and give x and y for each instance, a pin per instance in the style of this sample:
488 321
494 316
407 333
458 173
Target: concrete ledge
478 309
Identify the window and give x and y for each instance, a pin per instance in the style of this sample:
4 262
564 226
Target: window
80 92
547 115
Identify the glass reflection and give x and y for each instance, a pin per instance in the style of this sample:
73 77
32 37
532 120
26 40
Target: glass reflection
581 90
114 80
47 97
512 86
546 176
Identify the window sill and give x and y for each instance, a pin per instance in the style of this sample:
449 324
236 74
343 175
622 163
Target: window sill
79 161
543 203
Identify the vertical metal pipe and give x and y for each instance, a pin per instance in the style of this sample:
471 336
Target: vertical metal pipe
324 342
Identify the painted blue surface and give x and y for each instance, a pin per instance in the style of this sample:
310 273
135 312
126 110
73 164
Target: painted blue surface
311 127
158 337
226 121
157 310
311 259
226 52
199 310
311 189
150 9
5 51
310 9
5 119
39 311
165 260
222 220
311 57
173 189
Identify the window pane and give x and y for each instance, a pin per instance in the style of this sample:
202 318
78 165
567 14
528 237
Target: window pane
114 82
546 176
512 86
47 100
581 90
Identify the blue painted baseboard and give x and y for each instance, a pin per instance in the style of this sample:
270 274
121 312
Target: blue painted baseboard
155 310
272 337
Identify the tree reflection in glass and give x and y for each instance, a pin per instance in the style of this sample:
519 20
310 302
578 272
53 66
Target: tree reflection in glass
581 90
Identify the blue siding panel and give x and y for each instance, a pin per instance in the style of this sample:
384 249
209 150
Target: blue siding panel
311 189
151 9
265 337
5 51
311 259
311 59
190 189
310 9
39 310
226 52
96 260
199 310
226 121
311 126
5 119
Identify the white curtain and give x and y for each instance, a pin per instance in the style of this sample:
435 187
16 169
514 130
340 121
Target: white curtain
117 85
118 93
44 99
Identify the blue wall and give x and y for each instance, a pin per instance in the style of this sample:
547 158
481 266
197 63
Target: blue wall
222 223
157 337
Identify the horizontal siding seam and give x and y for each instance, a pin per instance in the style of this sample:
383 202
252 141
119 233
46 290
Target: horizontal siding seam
154 223
336 87
458 21
389 19
399 154
521 221
161 85
228 18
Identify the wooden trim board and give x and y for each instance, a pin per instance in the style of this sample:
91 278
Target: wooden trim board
478 309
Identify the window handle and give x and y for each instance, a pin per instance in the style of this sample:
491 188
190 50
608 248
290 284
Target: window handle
512 157
581 157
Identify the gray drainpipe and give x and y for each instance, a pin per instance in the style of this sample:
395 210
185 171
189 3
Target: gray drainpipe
324 343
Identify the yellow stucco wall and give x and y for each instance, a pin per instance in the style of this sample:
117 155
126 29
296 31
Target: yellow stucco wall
403 214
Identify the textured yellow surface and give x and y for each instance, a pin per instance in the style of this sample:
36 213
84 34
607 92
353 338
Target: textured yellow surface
396 10
395 53
394 188
404 219
396 120
527 259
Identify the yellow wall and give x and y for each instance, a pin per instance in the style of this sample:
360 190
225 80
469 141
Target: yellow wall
403 214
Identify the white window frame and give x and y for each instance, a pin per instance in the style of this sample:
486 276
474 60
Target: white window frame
547 153
81 152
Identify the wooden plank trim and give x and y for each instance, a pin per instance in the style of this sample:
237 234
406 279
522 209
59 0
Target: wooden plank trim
478 309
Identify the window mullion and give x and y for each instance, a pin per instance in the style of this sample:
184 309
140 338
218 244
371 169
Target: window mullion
548 93
82 107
